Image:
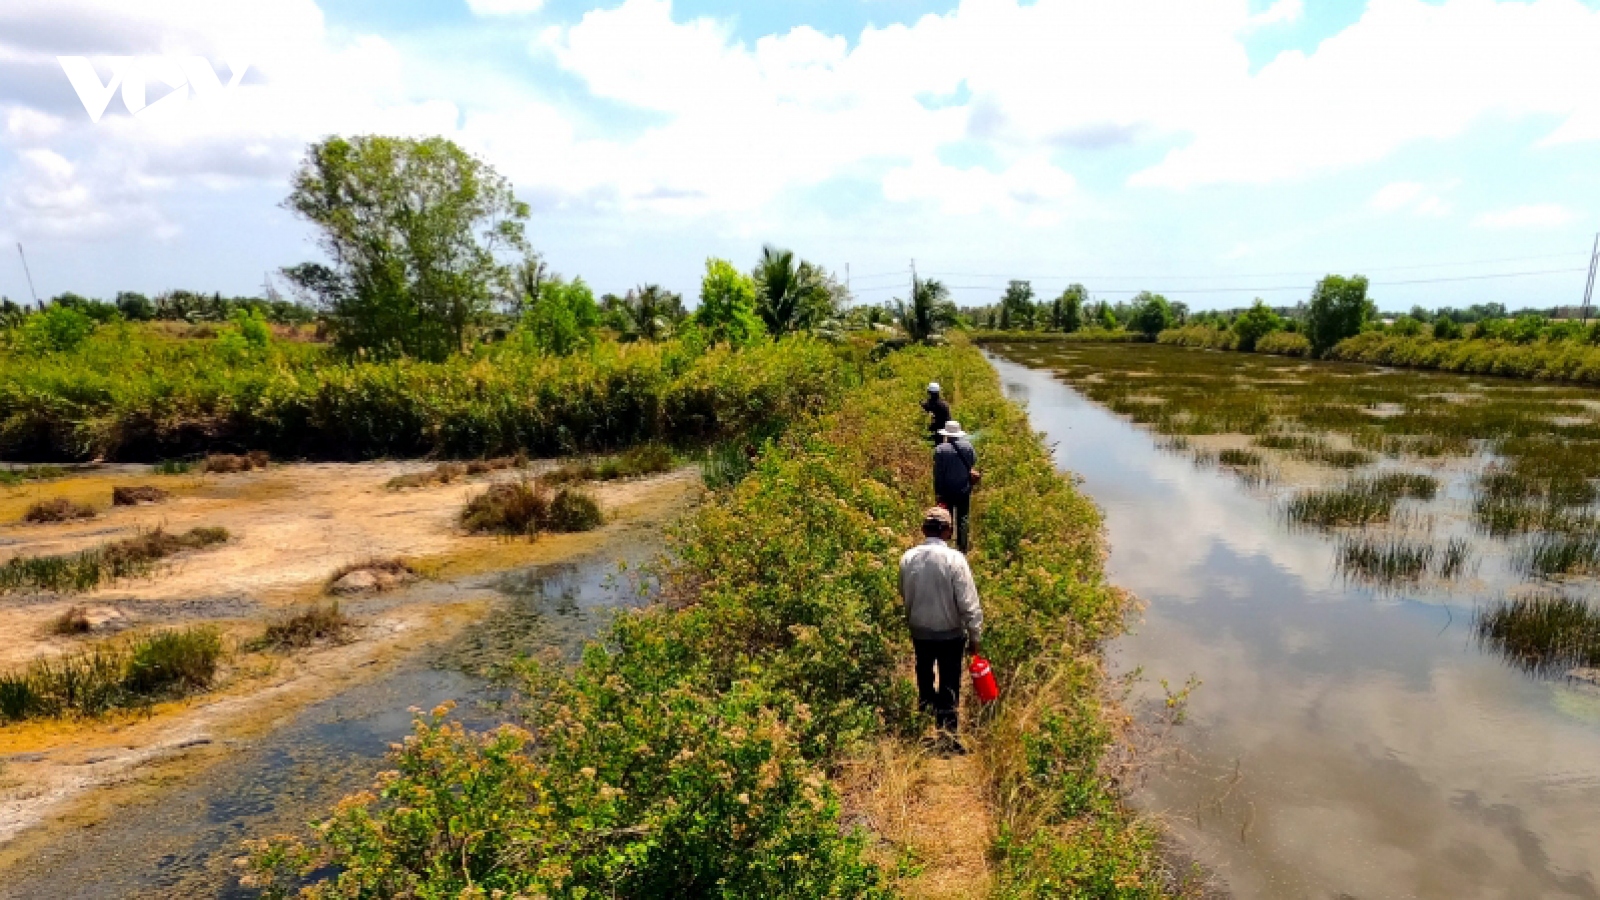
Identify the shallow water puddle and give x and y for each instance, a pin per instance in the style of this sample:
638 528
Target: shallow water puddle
181 841
1344 742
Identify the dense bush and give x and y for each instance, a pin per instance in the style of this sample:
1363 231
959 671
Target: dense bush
1565 360
128 393
686 754
1207 337
1284 343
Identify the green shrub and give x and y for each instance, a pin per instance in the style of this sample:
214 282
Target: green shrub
1576 361
159 666
129 393
1284 343
88 569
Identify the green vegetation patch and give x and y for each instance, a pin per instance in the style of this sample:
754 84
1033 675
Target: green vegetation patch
1543 632
645 459
89 569
126 674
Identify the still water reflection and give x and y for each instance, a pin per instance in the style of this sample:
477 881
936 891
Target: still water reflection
1342 743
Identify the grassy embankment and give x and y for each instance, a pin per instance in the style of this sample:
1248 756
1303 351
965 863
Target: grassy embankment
1549 359
129 393
692 751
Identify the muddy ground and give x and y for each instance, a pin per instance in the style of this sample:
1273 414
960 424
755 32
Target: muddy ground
291 526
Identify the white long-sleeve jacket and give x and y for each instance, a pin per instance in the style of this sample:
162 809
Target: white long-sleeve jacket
940 598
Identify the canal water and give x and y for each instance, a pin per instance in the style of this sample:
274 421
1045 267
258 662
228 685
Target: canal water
182 842
1341 743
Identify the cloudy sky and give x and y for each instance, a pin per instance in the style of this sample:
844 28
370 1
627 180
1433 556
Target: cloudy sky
1213 150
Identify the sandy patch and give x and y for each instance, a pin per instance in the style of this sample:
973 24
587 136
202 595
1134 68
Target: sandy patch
292 526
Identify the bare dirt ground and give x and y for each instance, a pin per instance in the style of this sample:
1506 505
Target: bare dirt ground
292 526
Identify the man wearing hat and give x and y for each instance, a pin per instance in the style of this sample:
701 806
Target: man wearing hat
955 471
937 410
942 609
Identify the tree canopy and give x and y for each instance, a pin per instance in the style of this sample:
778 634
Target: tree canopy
413 229
727 310
1338 309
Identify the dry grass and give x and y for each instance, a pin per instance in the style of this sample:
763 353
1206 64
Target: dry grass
133 495
58 510
224 463
388 573
447 472
645 459
74 621
926 810
312 625
529 507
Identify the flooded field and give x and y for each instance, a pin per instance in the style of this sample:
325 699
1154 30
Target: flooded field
1381 582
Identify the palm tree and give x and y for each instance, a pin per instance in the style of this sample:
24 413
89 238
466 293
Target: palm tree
929 312
791 295
649 312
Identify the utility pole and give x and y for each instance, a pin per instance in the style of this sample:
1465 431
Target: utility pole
36 293
1588 290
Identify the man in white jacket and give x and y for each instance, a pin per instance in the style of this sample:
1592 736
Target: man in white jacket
944 614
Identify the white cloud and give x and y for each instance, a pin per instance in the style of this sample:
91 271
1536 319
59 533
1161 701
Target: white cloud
1032 189
504 7
1413 197
1407 71
1531 215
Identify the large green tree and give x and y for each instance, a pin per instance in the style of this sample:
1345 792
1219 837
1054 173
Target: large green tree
414 230
1152 314
727 310
1338 309
1066 313
1017 309
1256 323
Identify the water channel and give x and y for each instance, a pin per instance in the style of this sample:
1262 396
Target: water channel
181 842
1343 743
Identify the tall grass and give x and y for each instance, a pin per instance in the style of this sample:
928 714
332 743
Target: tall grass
1548 554
1543 632
1389 560
89 569
92 682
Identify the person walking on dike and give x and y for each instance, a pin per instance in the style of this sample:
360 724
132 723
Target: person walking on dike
955 472
945 618
937 410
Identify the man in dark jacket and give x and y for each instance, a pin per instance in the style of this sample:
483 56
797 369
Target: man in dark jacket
955 471
938 411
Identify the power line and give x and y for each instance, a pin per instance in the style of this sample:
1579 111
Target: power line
1163 276
1302 287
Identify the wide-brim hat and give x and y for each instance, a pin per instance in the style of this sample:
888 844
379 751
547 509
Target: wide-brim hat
952 428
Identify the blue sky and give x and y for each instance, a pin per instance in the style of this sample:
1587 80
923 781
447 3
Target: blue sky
1209 149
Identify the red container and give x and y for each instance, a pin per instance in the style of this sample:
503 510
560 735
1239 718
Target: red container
983 680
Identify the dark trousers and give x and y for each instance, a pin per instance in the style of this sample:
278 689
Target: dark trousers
945 655
961 511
